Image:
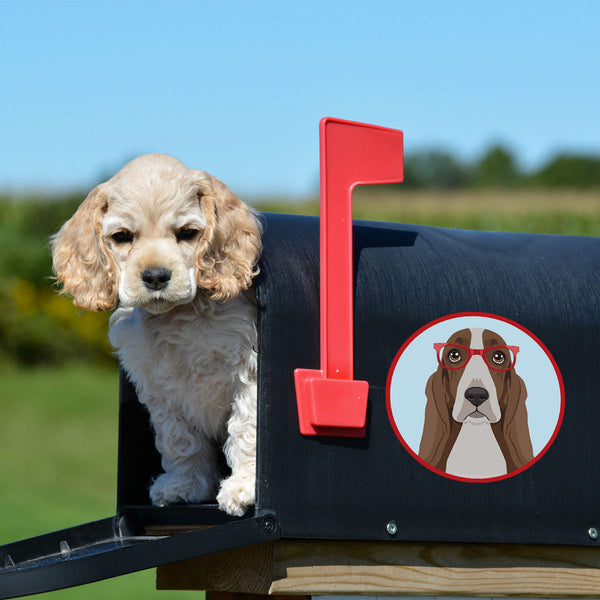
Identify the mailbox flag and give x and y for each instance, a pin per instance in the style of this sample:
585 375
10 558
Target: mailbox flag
330 402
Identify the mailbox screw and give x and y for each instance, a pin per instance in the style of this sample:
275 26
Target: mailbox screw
392 528
593 533
269 524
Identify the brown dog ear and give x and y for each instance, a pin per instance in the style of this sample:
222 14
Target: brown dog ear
439 429
230 245
80 259
514 438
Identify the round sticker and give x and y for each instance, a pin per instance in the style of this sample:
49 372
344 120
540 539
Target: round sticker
475 397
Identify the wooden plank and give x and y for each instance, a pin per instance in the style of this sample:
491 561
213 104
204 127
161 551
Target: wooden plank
393 568
236 596
245 570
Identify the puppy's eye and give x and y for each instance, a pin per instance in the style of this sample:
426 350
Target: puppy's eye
122 237
186 234
499 357
454 355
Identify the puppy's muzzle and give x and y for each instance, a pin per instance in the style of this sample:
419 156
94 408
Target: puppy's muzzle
156 279
476 396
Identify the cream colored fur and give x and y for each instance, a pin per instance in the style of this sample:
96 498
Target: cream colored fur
188 340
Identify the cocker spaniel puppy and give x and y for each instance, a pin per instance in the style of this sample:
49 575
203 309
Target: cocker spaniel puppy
177 251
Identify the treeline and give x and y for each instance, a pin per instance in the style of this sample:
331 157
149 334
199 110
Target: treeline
498 168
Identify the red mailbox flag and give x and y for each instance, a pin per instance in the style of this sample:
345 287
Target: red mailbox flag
330 401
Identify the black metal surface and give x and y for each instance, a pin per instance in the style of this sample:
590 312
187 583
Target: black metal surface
405 277
109 548
139 461
179 516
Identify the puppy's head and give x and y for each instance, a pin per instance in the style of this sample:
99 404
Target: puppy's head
155 234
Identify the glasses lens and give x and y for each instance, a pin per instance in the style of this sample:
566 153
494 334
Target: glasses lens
500 358
453 357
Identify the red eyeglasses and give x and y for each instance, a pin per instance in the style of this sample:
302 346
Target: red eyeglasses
497 358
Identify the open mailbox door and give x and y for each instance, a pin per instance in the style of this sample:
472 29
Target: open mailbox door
111 547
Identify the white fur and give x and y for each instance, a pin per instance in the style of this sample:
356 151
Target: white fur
189 366
476 452
476 374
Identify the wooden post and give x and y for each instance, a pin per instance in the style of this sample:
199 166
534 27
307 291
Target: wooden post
311 568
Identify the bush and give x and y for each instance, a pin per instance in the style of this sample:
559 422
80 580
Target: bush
36 325
568 171
434 169
496 169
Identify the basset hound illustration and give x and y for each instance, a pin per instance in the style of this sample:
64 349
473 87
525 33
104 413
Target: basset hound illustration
475 416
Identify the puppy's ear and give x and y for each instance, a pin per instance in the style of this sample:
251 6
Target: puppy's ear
81 260
439 429
230 245
515 427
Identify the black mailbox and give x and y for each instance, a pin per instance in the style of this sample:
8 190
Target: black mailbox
526 307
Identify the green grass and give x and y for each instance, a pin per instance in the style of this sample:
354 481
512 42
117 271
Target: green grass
58 466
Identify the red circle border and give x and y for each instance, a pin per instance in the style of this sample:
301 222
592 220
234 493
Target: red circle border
439 471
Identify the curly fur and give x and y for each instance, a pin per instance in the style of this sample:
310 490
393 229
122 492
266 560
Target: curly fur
187 341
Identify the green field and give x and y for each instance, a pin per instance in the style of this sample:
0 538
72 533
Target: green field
58 429
59 463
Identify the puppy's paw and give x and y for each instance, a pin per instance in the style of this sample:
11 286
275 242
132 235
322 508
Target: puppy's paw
236 495
170 488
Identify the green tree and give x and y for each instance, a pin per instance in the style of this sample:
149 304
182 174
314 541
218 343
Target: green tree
569 171
496 169
434 169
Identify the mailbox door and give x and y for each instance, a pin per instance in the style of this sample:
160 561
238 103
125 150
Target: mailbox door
113 547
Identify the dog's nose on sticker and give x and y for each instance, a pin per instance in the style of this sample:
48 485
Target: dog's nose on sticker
476 395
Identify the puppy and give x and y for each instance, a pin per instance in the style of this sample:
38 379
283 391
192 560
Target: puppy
177 251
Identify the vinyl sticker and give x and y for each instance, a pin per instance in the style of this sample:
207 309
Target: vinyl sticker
475 397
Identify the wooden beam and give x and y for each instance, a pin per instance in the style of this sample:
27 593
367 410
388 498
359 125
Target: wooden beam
245 570
304 568
236 596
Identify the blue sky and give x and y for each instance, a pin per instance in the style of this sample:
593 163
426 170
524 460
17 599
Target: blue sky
237 88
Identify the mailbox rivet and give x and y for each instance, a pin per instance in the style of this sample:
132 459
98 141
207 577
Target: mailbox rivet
593 533
392 528
269 524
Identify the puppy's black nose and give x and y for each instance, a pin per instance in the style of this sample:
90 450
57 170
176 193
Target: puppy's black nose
476 396
156 279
